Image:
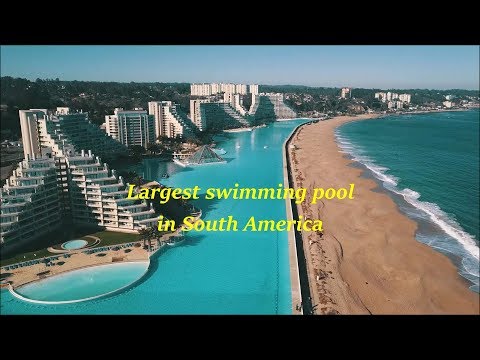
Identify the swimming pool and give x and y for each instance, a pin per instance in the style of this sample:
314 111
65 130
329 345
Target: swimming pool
231 272
74 244
83 284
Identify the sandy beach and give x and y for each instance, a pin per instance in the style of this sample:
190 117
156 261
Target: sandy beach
367 261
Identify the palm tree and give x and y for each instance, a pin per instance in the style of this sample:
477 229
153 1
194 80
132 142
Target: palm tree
145 234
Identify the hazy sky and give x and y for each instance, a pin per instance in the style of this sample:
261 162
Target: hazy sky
438 67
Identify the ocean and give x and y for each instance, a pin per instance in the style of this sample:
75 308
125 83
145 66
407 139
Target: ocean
429 164
210 272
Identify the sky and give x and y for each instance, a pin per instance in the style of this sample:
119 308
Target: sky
384 67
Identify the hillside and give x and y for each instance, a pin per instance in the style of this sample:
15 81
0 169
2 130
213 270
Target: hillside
96 98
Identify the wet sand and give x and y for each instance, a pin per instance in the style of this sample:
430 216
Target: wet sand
367 260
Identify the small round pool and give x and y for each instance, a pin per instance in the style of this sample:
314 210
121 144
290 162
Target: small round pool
74 244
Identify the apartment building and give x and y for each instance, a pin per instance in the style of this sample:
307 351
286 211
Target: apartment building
30 201
131 127
59 181
169 120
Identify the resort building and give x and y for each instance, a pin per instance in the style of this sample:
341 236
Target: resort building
241 89
64 132
236 102
346 92
263 108
29 120
381 96
389 96
29 201
169 120
219 116
133 127
217 88
282 111
405 98
253 89
448 104
99 197
60 182
195 113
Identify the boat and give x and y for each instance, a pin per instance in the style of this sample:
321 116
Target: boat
178 162
165 176
220 151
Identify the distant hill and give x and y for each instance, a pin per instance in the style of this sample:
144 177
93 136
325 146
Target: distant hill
101 98
96 98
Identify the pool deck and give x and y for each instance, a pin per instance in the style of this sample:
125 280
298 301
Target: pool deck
292 247
77 260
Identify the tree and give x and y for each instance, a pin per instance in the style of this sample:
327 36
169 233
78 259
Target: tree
153 148
144 235
137 149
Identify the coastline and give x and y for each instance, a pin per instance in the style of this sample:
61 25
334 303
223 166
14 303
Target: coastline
368 260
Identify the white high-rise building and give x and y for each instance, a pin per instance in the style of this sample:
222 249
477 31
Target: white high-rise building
169 121
399 104
64 132
131 127
217 88
201 89
59 180
405 98
30 134
30 201
241 89
196 115
346 92
381 96
228 88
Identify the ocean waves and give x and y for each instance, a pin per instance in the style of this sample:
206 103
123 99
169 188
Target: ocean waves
444 233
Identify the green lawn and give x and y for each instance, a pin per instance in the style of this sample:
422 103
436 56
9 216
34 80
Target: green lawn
107 238
28 256
112 238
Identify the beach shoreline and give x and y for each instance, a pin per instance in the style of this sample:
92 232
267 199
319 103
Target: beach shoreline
367 261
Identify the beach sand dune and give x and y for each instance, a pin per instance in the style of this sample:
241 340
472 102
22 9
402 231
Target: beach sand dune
367 260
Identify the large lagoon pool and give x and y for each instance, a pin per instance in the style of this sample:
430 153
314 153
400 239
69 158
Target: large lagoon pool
210 272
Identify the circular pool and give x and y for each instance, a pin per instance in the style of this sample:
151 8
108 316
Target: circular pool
74 244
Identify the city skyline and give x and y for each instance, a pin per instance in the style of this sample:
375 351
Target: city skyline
381 67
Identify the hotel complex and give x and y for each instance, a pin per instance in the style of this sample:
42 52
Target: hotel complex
208 110
394 100
63 181
60 182
134 127
170 121
346 92
214 88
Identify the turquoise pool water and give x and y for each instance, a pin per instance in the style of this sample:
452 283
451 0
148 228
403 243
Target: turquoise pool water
211 272
74 244
84 283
